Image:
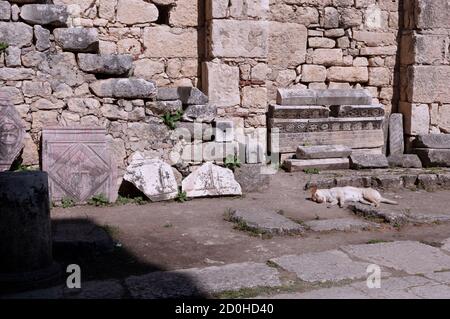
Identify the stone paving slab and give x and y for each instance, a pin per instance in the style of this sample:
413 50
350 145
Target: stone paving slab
332 265
346 292
339 224
266 221
442 277
446 245
411 257
202 281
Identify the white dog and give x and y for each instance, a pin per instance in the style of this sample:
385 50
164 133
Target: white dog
341 195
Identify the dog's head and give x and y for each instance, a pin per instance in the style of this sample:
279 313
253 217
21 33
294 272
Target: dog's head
317 196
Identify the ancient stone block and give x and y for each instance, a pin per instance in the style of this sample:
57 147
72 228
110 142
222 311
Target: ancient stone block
265 221
396 131
299 165
428 84
357 110
167 94
45 14
343 97
363 161
323 151
211 180
16 74
327 57
224 131
78 163
12 133
433 157
239 38
348 74
314 73
163 107
221 84
287 44
42 36
439 141
124 88
432 14
16 34
153 177
177 42
132 12
288 142
109 64
296 97
191 96
298 112
416 118
77 39
5 10
326 125
200 113
405 161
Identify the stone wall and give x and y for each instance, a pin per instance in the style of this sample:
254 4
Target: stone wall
425 67
96 63
346 44
238 52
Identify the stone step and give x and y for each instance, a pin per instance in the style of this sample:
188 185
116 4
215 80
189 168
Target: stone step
323 151
433 157
124 88
45 14
288 142
364 161
266 222
339 224
79 40
323 97
437 141
331 124
298 165
108 64
376 110
405 161
298 112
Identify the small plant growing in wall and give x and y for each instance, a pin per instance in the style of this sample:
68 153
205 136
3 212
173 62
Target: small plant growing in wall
3 46
181 197
171 119
67 202
232 162
312 171
98 200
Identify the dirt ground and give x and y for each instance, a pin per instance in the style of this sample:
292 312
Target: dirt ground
171 235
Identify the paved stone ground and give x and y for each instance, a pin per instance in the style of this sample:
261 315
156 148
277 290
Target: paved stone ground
266 222
169 249
343 271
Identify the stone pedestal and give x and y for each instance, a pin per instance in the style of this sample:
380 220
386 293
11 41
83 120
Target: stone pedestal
25 236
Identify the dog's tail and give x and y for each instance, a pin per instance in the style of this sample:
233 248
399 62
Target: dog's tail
388 201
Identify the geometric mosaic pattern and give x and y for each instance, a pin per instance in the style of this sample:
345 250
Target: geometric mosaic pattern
78 164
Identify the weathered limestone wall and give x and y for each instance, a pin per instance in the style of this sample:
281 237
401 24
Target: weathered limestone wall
346 44
161 35
63 57
425 67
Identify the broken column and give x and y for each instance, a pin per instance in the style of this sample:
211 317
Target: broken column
25 237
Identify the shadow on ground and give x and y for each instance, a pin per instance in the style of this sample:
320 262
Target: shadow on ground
100 256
